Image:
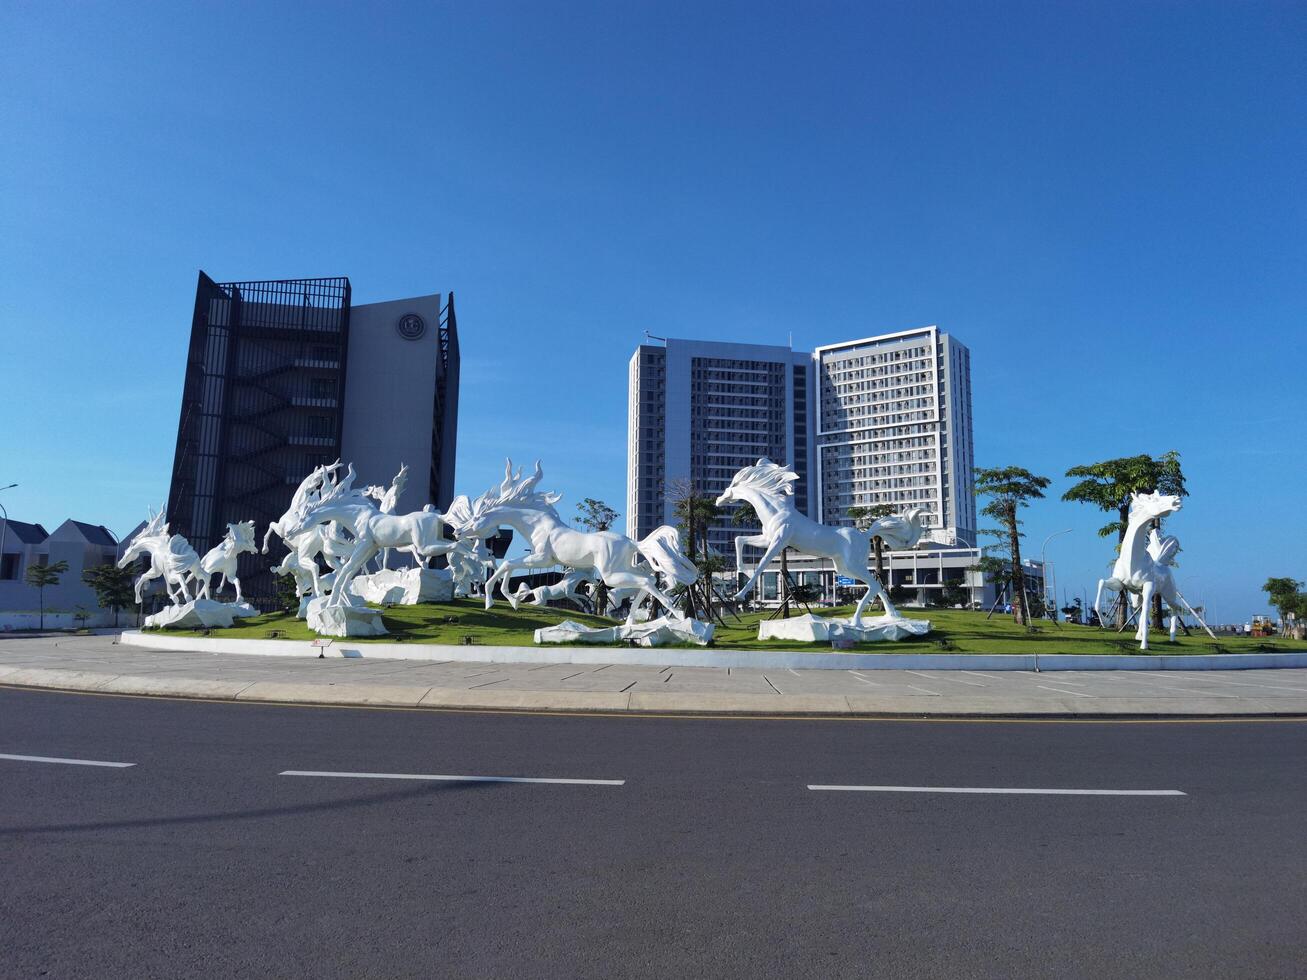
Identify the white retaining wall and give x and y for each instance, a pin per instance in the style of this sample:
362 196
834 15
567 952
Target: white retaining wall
709 657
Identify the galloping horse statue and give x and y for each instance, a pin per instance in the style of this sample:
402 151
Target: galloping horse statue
327 501
1143 568
768 488
171 558
617 560
222 559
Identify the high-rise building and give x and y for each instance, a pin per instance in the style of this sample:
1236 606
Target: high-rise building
700 410
884 420
894 427
284 375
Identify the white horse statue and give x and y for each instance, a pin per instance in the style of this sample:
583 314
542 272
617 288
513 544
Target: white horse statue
222 559
768 488
617 560
1143 568
387 499
171 558
325 540
420 533
566 587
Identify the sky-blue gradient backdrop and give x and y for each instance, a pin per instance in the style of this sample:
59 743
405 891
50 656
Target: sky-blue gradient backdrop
1104 201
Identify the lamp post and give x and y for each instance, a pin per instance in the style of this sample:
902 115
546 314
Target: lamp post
4 528
1043 565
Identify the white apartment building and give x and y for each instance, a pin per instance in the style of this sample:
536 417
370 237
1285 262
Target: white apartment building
893 426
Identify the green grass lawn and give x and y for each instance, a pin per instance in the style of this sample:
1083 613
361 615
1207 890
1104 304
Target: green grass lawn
952 631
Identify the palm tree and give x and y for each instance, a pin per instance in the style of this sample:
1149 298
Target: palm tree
1008 489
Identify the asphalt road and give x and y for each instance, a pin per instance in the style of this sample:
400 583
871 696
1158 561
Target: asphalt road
712 858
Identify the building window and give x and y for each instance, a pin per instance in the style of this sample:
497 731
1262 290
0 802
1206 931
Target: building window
323 387
8 567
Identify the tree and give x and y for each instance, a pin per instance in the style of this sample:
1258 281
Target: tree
953 594
112 585
595 515
1285 595
1009 488
1108 486
287 594
695 514
39 576
863 518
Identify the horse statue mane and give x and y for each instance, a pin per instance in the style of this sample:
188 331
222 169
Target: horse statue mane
514 491
1151 502
767 477
157 525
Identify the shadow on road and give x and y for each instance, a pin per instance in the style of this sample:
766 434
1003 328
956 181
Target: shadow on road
284 811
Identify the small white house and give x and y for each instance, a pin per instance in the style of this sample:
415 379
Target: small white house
80 544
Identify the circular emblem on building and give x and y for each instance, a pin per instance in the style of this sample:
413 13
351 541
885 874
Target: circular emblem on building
411 326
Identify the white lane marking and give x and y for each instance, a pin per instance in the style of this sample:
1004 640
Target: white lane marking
1223 680
1003 790
67 762
976 673
1078 694
1153 686
933 694
454 779
939 675
863 679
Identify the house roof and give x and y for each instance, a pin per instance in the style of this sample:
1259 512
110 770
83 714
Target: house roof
24 532
94 533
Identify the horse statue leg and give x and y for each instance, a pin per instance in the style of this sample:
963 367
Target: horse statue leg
773 549
1145 604
1098 600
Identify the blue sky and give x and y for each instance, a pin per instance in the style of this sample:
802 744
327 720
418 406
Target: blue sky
1104 201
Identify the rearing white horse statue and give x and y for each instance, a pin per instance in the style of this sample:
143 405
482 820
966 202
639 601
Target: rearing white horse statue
421 533
171 558
1143 568
768 488
617 560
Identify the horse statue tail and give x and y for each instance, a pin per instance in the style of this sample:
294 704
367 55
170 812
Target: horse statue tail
899 531
662 549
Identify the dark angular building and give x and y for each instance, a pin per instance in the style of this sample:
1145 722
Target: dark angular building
286 374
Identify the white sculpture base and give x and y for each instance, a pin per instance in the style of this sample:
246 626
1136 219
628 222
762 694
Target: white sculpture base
658 632
817 629
405 586
199 614
343 620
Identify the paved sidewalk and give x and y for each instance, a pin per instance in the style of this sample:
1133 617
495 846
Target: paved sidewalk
96 663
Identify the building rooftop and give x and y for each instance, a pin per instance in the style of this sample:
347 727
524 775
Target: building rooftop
24 532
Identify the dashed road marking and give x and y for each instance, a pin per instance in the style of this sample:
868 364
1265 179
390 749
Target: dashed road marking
445 778
67 762
1001 790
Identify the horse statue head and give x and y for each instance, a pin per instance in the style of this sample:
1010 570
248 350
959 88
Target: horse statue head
1147 506
151 536
481 517
241 536
317 504
770 479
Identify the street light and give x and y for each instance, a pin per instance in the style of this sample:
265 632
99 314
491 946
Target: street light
4 528
1043 565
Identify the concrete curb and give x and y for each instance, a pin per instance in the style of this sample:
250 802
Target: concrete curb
669 703
708 657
